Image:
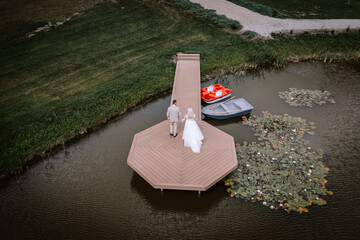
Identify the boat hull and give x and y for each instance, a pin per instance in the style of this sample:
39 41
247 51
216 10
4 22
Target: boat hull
228 109
219 117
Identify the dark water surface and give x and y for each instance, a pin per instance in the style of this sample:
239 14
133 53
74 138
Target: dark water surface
90 192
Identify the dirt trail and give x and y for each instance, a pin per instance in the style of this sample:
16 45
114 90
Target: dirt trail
264 25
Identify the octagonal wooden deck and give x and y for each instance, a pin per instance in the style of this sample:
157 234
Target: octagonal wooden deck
163 161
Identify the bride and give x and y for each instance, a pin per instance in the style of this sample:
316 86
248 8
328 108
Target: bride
192 134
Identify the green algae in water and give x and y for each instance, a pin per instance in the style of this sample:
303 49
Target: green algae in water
281 170
306 97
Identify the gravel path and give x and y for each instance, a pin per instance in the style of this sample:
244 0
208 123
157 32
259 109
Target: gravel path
264 25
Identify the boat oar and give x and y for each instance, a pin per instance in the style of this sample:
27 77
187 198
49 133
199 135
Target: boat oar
230 111
221 103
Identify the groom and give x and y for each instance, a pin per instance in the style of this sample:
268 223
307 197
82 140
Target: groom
174 115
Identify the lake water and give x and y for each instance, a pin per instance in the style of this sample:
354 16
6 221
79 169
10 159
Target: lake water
90 192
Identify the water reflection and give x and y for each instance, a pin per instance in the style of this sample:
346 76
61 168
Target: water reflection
184 201
235 120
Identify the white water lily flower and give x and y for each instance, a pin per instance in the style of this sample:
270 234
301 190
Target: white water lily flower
258 191
309 171
317 198
290 194
294 161
292 149
310 179
290 156
248 177
277 190
294 130
272 207
309 174
309 148
247 165
312 166
264 203
281 205
305 190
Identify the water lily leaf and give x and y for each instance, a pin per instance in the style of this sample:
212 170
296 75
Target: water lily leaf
280 169
305 97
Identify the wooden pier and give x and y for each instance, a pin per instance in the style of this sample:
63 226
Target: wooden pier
163 161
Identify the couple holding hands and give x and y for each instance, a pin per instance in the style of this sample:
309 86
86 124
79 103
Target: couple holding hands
192 134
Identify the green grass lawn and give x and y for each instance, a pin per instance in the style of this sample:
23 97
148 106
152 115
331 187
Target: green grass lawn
56 84
18 17
304 8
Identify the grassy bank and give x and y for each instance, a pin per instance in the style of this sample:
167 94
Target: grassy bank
304 8
57 83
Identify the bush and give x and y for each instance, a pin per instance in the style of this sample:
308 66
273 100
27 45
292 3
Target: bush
249 34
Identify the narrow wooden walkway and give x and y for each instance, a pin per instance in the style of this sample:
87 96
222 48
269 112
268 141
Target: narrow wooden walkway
186 88
163 161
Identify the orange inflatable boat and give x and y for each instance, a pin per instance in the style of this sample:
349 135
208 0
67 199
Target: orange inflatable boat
214 93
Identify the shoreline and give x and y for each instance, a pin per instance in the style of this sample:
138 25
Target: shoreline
57 147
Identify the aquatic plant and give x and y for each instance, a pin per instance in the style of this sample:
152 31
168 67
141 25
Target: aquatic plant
306 97
281 170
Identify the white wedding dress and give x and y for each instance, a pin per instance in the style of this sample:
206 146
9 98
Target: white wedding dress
192 135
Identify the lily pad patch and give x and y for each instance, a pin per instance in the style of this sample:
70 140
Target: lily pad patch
281 170
305 97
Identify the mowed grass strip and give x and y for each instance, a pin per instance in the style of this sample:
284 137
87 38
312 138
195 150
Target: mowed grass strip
58 83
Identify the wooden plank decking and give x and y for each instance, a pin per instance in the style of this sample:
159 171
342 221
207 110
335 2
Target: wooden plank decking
186 88
163 161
